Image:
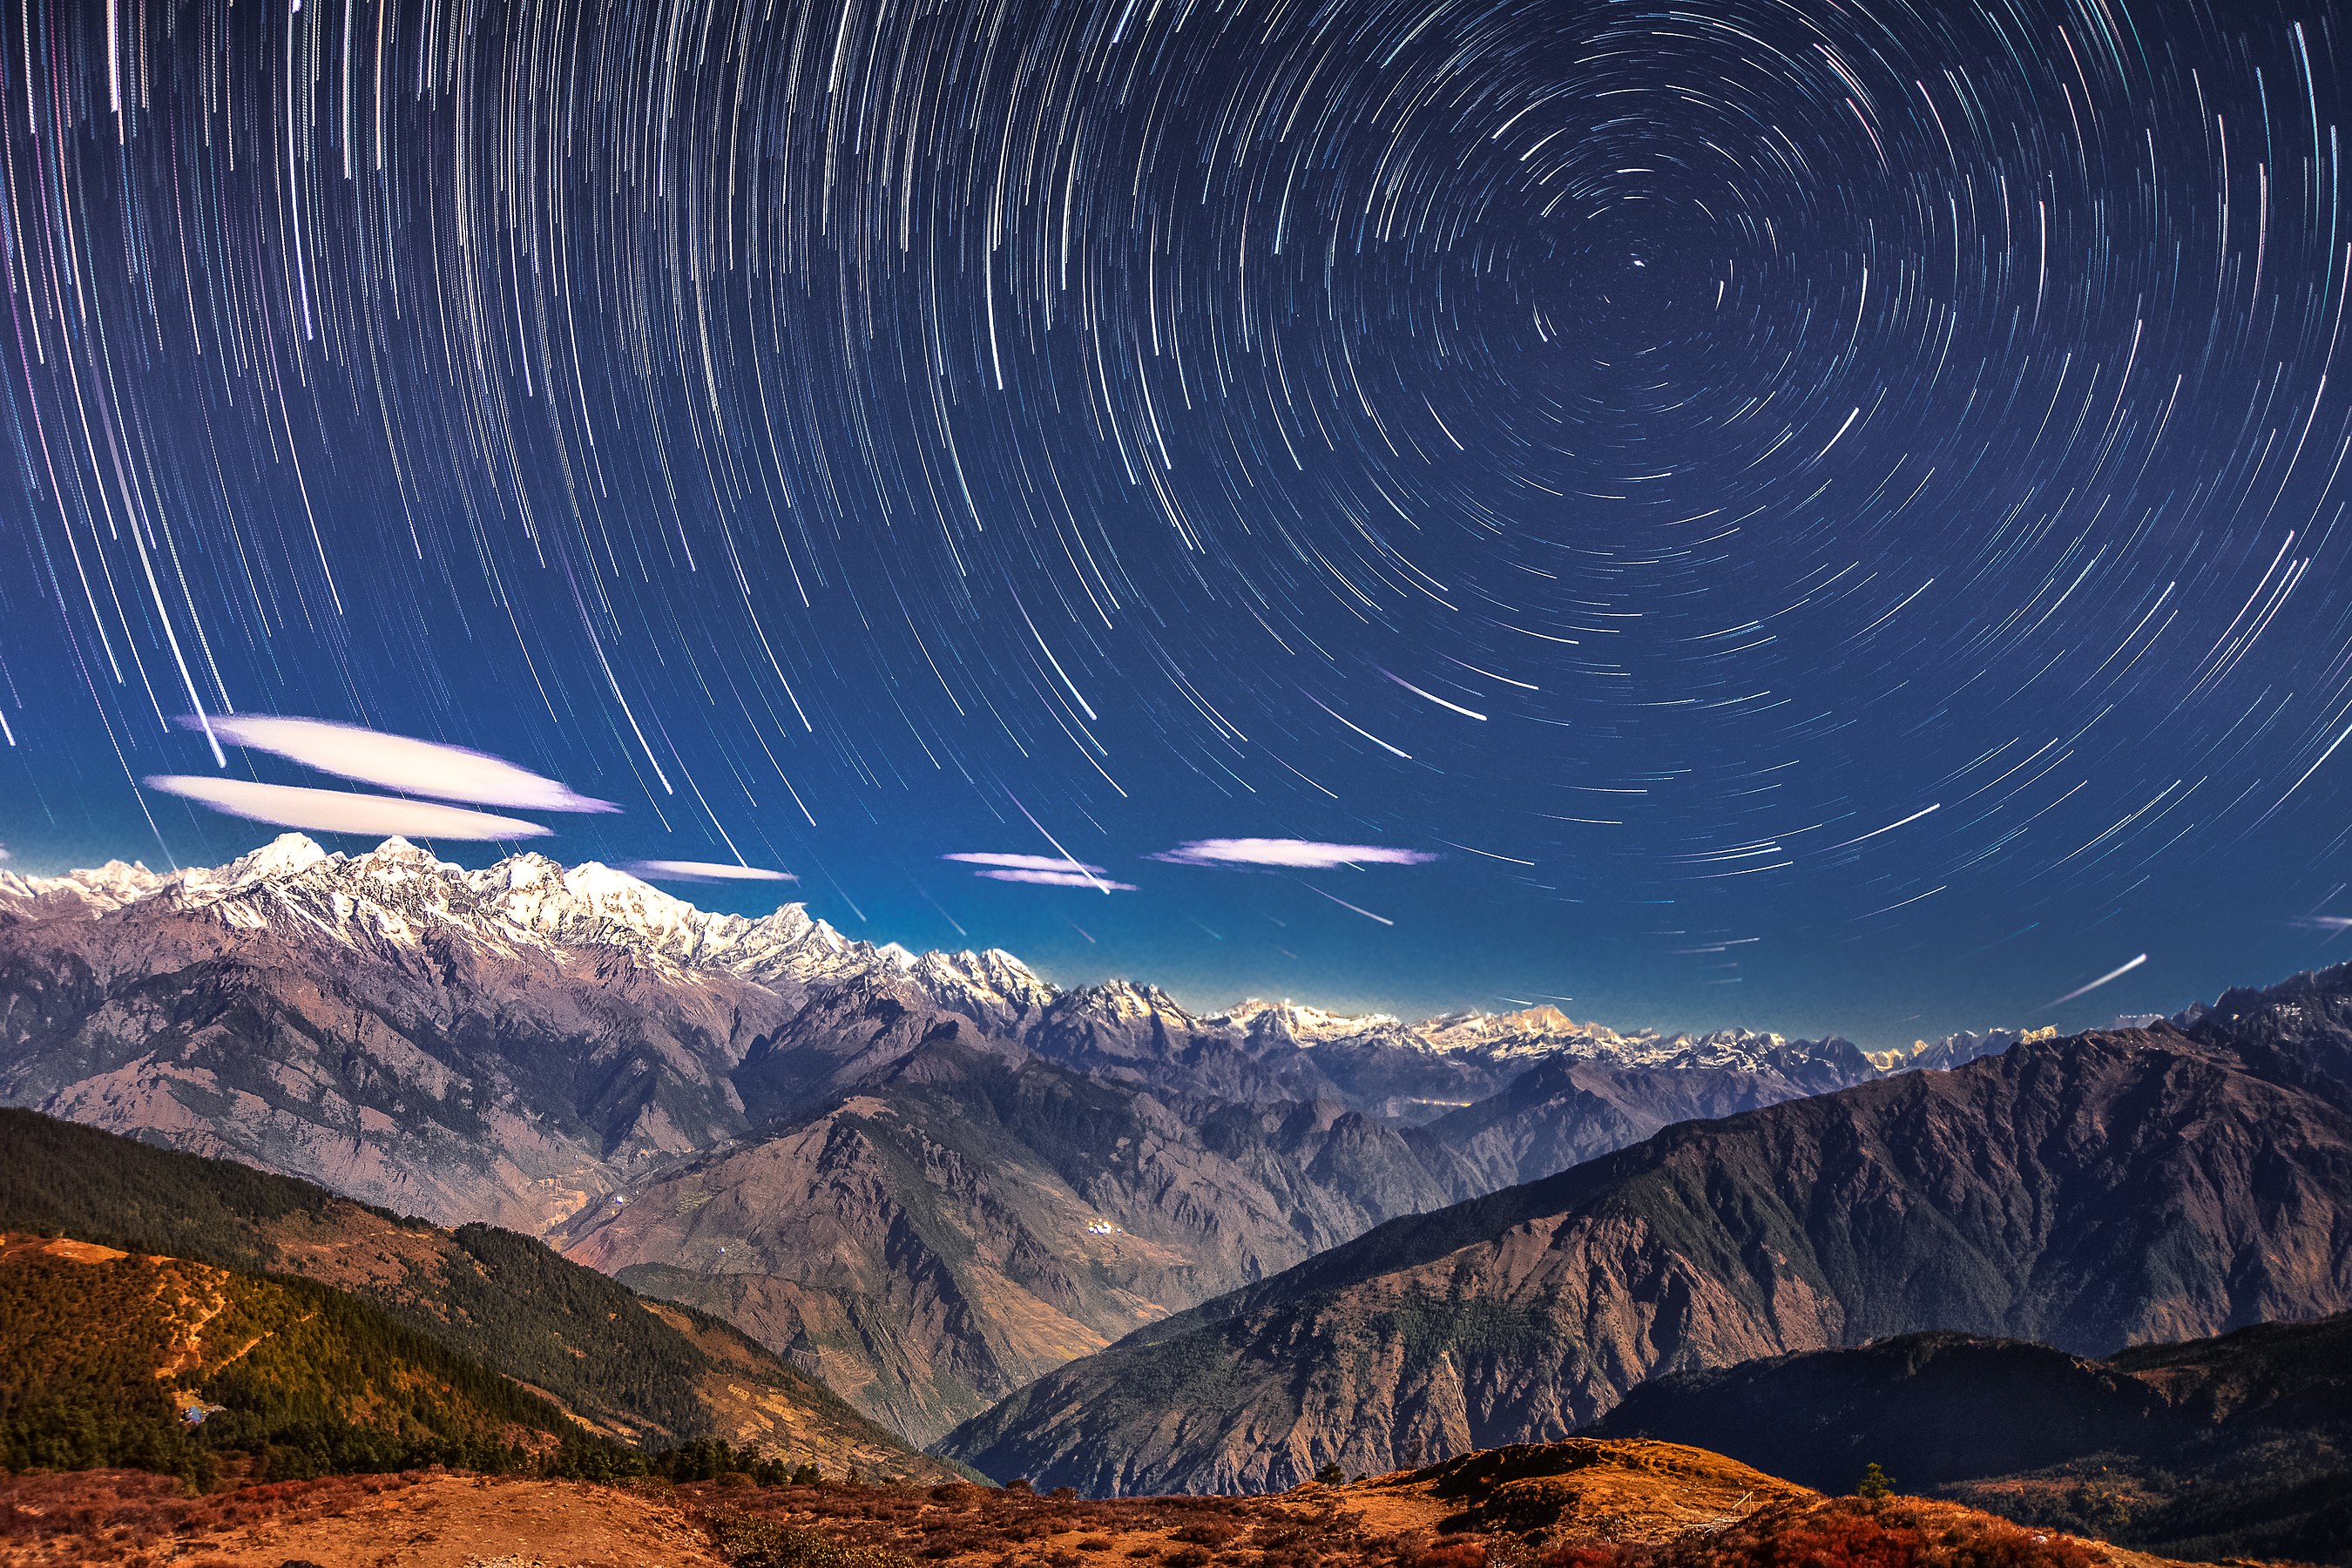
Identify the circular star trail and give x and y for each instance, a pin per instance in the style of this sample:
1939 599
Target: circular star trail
1815 512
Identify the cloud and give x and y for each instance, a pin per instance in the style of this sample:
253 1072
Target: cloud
341 811
1026 863
1292 854
1039 870
401 763
703 871
1057 880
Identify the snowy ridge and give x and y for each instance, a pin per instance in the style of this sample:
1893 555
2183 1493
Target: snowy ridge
397 893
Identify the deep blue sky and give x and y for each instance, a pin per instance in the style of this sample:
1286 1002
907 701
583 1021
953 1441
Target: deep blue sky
1640 455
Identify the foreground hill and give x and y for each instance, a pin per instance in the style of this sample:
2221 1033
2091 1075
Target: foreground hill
2090 1192
1578 1505
2240 1445
116 1359
641 1372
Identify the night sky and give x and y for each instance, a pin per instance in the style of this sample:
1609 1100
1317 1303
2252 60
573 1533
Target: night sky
1816 515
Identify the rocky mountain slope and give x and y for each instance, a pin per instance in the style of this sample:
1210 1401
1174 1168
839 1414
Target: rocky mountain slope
514 1043
2091 1193
972 1219
2235 1447
977 1215
948 1233
635 1370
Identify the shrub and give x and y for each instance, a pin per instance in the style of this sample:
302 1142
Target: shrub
1215 1535
1455 1554
747 1541
1855 1533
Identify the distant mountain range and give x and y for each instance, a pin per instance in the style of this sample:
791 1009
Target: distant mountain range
526 1042
2091 1193
930 1180
681 1027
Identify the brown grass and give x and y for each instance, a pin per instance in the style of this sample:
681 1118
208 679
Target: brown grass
132 1518
1585 1505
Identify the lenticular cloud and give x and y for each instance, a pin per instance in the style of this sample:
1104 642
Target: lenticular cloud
1290 854
703 871
1026 863
342 811
1057 880
1039 870
402 762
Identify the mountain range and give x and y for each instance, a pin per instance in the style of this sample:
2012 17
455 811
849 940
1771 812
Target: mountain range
2090 1192
523 1043
1093 1238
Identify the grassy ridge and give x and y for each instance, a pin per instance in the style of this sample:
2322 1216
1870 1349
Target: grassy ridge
482 1294
161 1363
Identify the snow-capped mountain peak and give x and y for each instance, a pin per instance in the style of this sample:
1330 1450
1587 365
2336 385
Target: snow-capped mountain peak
398 895
100 889
1300 1024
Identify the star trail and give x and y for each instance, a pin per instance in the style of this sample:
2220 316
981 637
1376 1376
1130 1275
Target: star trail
1812 513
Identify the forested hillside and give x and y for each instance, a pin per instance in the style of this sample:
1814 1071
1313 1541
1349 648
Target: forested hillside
653 1374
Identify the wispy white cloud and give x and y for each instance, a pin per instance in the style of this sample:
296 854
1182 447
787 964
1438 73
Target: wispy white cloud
1057 880
1290 854
703 871
402 762
342 811
1026 863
